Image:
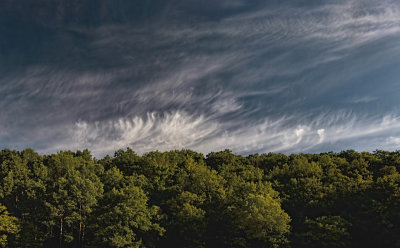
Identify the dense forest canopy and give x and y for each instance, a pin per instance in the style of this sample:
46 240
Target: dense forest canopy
185 199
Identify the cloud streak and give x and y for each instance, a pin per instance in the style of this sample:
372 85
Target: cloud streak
176 130
254 77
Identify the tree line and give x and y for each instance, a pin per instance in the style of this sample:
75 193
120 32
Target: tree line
185 199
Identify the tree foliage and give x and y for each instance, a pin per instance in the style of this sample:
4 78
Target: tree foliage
184 199
8 225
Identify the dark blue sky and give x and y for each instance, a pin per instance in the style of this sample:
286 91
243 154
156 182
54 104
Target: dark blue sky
250 76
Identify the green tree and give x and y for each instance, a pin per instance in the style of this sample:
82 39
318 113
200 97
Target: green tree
194 200
73 191
325 231
252 209
123 217
23 190
8 225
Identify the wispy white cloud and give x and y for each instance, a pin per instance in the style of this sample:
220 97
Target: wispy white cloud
285 135
176 130
364 99
210 85
154 131
354 21
393 142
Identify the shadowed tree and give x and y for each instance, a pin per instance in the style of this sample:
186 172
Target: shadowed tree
23 187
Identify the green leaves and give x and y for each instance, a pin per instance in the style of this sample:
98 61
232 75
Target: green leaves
73 192
326 231
8 225
254 209
181 199
123 214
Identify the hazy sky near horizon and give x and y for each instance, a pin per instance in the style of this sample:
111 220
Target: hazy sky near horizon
251 76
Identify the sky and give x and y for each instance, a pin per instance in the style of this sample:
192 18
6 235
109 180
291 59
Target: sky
250 76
